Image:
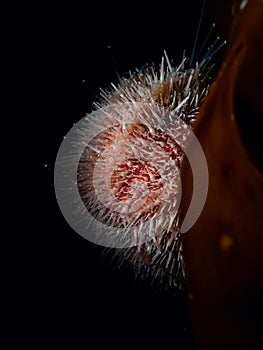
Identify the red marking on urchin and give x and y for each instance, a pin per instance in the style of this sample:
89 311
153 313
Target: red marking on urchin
130 178
131 172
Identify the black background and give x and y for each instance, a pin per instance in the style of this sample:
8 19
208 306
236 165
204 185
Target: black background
64 289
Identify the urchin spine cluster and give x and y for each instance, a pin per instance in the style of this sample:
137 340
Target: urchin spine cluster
181 89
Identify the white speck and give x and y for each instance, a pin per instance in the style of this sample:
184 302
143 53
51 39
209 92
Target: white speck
243 4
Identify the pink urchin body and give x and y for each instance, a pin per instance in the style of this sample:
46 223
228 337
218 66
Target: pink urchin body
121 170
